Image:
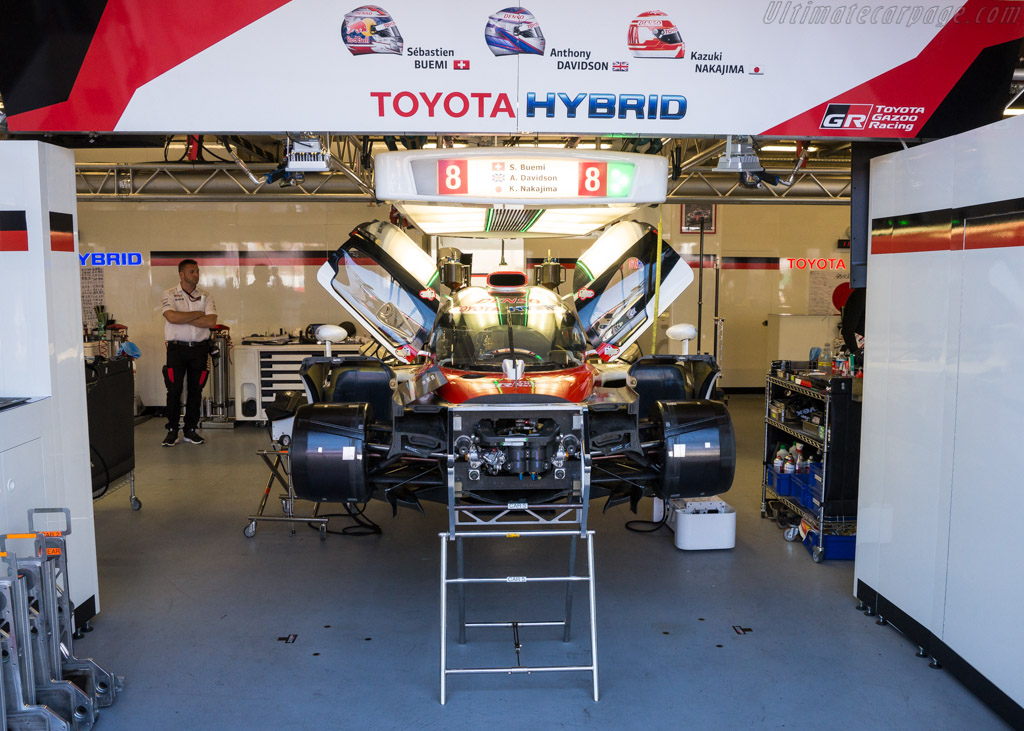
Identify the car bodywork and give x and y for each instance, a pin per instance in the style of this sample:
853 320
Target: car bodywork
508 392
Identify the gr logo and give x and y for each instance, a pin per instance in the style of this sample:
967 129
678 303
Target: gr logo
846 116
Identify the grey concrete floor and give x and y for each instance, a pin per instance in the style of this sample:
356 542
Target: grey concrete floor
193 612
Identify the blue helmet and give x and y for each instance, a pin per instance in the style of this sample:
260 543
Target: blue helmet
512 31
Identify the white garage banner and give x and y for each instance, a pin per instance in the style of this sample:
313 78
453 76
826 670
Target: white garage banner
769 67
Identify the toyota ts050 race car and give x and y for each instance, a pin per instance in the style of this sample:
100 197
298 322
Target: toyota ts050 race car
509 392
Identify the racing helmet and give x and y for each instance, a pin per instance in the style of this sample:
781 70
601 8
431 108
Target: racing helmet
514 30
653 35
370 29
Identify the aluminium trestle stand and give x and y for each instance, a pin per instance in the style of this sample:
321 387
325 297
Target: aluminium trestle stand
280 472
517 521
43 686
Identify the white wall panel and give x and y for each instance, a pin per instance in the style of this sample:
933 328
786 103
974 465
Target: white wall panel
21 338
908 463
985 589
45 443
904 480
940 501
923 178
988 163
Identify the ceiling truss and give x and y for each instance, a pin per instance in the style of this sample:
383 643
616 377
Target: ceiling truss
825 179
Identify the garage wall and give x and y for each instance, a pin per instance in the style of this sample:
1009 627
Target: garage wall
938 543
252 296
752 240
259 295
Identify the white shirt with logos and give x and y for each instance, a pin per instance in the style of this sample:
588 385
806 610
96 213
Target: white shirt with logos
179 300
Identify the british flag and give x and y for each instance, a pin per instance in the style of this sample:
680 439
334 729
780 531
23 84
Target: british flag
620 66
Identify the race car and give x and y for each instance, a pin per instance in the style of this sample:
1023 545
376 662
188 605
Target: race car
509 392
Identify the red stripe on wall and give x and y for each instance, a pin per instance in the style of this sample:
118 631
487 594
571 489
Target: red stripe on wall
13 240
995 235
273 261
62 241
912 240
980 235
763 265
229 259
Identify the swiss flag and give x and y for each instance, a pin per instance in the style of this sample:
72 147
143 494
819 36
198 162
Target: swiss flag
460 65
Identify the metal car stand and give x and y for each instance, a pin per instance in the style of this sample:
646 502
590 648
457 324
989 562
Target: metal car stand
280 472
546 520
43 685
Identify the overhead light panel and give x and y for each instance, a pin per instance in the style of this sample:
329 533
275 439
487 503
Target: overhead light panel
739 157
577 221
504 221
785 148
306 154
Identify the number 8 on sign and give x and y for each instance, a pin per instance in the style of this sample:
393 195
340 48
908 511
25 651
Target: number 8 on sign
593 179
451 177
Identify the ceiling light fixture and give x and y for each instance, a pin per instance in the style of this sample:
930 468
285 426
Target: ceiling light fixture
497 221
739 157
785 148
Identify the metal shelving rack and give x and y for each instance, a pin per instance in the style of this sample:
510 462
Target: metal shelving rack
836 514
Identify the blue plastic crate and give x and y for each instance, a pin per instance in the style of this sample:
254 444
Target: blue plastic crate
799 486
813 488
839 548
781 483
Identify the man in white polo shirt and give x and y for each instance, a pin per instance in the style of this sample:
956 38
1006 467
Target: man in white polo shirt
190 313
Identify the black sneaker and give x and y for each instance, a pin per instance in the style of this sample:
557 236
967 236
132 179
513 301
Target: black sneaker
192 438
172 438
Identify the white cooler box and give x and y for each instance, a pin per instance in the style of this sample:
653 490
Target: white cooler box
700 523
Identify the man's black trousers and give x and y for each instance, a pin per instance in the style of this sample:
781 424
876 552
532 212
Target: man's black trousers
185 363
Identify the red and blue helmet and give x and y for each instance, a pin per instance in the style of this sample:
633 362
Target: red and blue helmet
512 31
370 29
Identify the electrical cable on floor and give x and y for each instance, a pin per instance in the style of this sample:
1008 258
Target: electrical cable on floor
364 525
658 524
